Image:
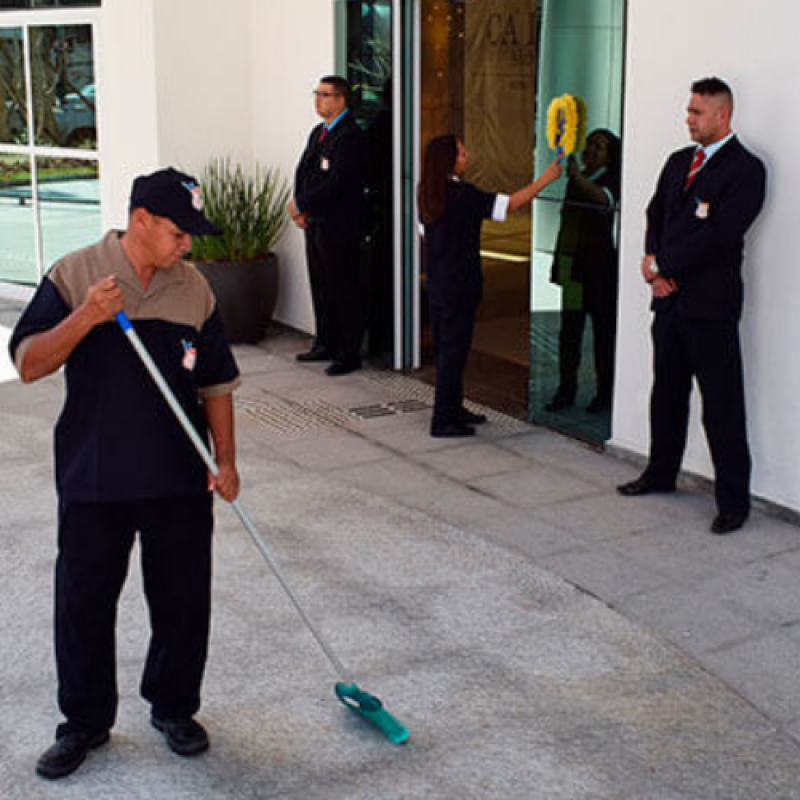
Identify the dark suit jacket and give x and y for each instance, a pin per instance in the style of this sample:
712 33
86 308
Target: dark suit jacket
330 180
697 236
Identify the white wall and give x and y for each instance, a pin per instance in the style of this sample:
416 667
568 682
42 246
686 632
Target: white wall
203 81
128 133
756 52
291 51
188 79
175 89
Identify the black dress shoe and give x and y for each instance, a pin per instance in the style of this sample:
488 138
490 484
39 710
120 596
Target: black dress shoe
469 418
68 753
185 736
642 486
598 404
315 354
344 367
451 430
559 402
727 523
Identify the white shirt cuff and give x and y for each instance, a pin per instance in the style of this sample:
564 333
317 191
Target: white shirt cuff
500 211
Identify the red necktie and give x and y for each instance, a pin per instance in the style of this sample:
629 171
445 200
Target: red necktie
323 134
699 158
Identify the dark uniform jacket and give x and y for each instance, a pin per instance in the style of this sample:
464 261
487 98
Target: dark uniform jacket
116 438
452 247
330 180
697 235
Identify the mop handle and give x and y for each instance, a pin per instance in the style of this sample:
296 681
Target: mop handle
202 450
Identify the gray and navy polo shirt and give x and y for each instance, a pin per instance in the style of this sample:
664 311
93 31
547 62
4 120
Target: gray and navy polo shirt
116 438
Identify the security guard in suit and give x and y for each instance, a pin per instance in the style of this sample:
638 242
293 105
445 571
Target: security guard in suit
329 205
707 198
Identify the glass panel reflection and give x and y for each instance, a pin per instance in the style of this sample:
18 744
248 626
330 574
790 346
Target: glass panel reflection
17 233
13 124
69 205
369 71
62 71
574 264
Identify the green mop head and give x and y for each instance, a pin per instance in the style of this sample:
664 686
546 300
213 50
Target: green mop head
373 711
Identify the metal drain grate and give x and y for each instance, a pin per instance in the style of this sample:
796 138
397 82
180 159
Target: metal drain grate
288 417
376 410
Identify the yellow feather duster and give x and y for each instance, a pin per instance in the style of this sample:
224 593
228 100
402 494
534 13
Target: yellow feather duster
566 124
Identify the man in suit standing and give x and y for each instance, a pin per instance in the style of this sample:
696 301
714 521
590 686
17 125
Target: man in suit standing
707 197
329 205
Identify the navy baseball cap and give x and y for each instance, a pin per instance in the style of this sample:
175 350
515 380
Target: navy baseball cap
176 196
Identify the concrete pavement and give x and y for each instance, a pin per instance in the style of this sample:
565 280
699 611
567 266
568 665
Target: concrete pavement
541 636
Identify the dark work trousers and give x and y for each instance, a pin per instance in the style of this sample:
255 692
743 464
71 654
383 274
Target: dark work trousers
94 545
451 328
336 293
710 352
570 350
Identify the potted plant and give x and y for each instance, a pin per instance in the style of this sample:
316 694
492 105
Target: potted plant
242 270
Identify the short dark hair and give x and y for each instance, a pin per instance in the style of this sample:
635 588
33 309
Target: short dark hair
713 87
340 85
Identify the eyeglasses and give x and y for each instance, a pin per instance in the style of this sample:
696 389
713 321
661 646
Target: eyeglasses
318 93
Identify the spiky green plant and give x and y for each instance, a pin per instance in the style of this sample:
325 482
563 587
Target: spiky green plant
249 209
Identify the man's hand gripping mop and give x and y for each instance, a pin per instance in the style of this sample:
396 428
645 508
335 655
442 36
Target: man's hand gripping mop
357 700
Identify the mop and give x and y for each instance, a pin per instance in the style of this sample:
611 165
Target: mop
362 703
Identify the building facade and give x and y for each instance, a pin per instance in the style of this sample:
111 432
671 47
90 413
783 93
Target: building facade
177 82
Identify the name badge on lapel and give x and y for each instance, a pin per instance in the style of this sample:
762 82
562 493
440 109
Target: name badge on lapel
702 210
324 164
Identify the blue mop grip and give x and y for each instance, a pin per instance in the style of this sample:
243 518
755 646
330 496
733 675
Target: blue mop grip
562 122
372 710
124 322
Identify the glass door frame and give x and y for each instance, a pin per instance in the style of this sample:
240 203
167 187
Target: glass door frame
24 20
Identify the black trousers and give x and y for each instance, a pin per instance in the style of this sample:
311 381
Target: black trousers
336 293
570 350
710 352
94 544
451 328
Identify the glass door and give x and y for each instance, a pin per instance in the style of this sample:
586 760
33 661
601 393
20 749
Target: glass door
574 244
368 56
478 67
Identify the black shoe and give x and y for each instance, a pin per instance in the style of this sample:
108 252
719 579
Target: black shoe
315 354
344 367
466 417
598 404
560 401
642 485
68 753
727 523
451 430
185 736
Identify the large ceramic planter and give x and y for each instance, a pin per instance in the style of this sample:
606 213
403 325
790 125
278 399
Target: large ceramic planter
246 292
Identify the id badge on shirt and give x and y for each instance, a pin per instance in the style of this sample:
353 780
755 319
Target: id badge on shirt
324 164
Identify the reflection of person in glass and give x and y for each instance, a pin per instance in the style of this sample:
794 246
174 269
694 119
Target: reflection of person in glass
452 212
585 266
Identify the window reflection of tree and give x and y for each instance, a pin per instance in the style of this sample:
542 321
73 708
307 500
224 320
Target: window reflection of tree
44 78
12 89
